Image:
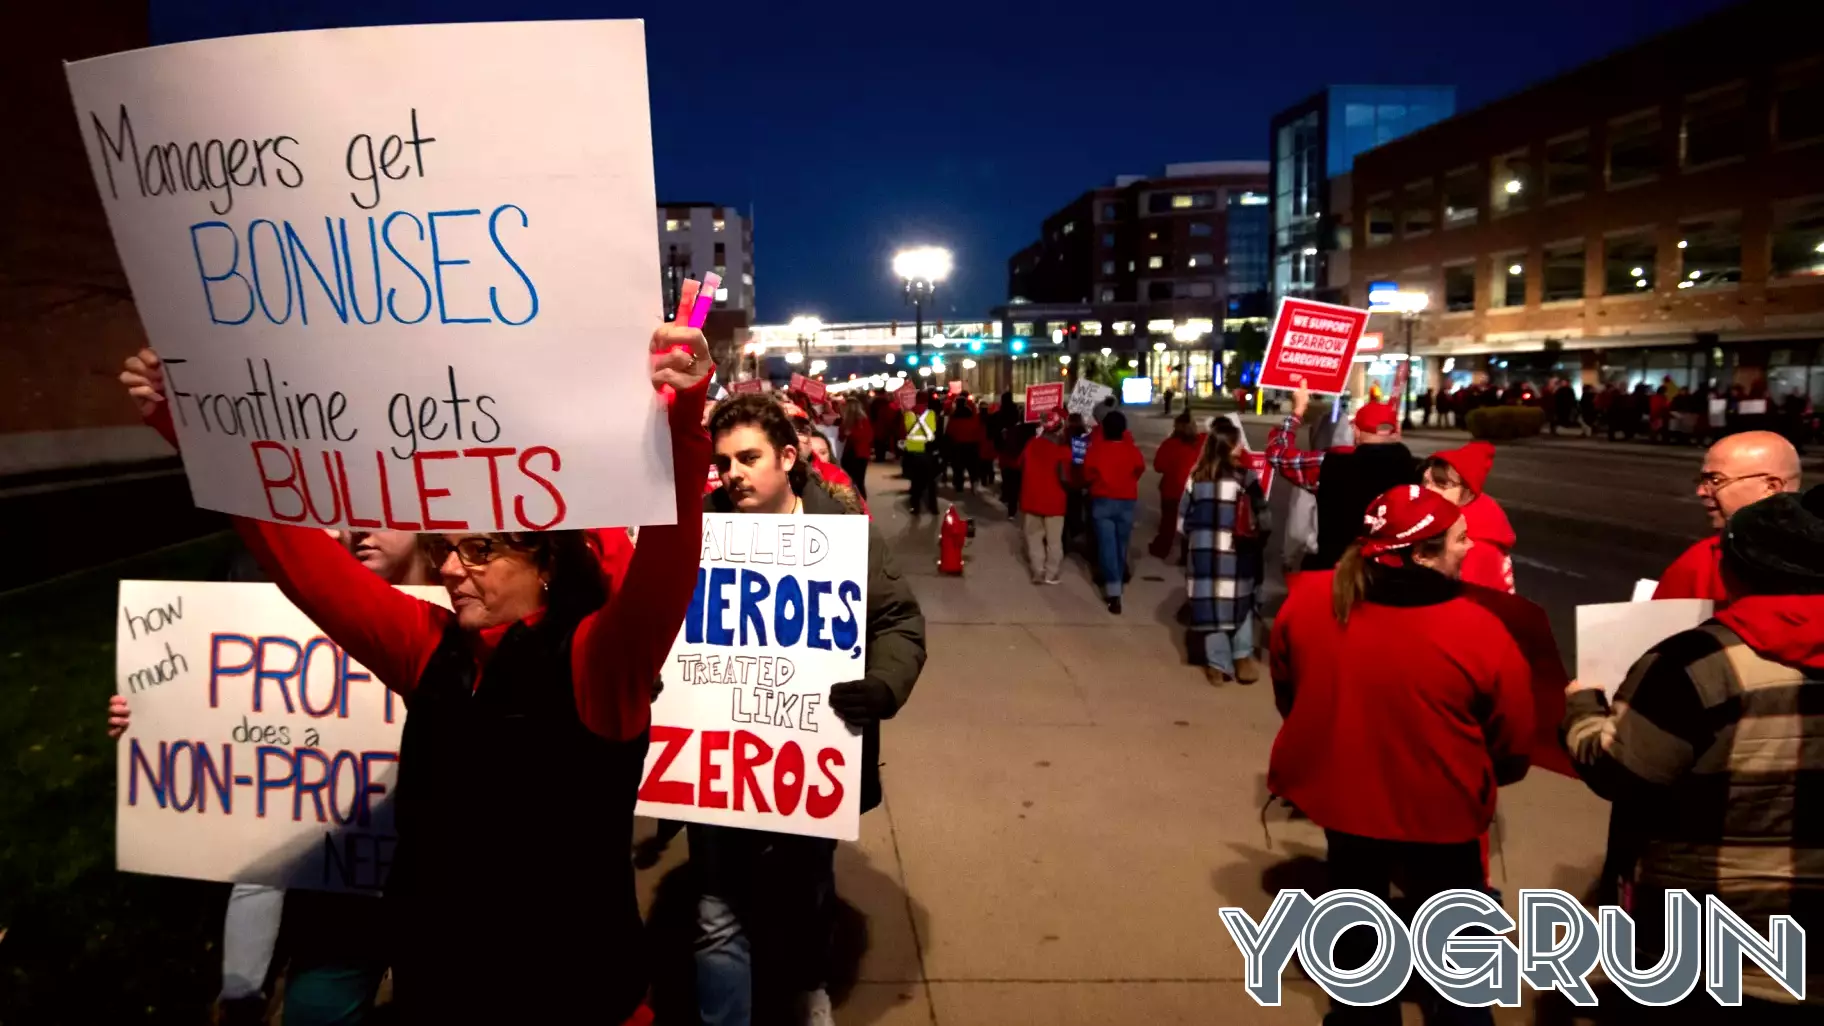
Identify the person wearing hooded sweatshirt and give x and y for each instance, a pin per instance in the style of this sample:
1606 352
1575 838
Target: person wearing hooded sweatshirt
1344 480
1176 456
1711 750
1113 467
769 890
1458 475
1740 469
1406 705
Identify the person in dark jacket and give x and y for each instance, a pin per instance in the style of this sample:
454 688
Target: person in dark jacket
533 694
1344 480
780 887
1406 705
1709 752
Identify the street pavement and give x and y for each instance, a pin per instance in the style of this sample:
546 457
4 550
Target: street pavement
1068 805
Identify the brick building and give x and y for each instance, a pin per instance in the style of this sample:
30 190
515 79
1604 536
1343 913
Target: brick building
1657 213
1142 263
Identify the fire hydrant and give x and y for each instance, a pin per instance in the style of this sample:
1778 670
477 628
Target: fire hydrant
952 534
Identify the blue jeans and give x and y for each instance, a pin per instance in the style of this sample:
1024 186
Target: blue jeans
1114 520
1221 648
766 893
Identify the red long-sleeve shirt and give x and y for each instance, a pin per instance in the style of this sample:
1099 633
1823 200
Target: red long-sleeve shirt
616 651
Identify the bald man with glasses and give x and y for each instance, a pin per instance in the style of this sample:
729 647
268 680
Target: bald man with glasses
1738 470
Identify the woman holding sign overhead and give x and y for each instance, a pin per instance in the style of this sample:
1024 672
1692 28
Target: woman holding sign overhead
511 891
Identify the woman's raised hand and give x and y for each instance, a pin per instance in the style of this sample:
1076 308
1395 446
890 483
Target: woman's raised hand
144 377
119 716
680 357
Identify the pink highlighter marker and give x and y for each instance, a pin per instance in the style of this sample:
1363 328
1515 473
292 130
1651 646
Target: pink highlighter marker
706 297
687 302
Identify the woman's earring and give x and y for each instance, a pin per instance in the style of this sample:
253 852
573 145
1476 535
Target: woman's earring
544 585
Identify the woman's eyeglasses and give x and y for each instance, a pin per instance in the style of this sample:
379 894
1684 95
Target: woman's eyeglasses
472 552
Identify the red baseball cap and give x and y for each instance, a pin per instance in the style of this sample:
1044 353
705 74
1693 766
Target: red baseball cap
1402 517
1377 418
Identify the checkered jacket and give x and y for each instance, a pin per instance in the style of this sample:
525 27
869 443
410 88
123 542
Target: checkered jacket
1714 758
1221 571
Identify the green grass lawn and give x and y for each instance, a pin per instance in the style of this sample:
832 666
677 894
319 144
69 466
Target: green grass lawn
83 943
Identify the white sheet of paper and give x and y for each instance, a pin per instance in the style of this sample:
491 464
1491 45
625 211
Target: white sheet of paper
433 244
1612 636
1644 589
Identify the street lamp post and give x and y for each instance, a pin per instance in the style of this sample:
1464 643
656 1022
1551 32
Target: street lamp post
807 329
921 269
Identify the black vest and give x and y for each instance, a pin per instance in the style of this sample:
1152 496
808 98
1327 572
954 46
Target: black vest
512 884
1348 482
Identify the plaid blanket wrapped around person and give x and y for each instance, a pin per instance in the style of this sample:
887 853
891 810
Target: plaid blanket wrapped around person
1224 544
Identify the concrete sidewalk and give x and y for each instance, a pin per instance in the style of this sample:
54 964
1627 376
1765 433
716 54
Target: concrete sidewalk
1068 805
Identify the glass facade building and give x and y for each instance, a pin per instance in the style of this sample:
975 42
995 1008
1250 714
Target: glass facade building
1318 141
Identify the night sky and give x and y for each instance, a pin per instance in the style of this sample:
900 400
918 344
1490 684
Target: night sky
853 129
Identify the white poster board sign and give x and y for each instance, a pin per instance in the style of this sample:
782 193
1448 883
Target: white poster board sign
1612 636
1086 396
400 277
742 734
258 752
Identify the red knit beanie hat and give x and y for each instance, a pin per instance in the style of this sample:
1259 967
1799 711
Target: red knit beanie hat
1377 418
1472 463
1402 517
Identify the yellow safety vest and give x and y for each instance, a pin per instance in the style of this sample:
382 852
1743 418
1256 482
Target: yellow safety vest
921 429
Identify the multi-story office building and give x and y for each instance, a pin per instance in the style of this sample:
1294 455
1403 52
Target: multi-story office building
1313 146
1657 213
1147 267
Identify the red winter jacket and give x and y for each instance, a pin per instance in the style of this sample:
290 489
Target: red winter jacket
1113 469
1489 562
861 439
1174 461
1043 463
1400 725
1698 573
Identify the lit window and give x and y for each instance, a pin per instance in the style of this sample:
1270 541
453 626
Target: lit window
1181 201
1070 226
1090 328
721 270
1634 151
1159 327
722 295
671 224
717 225
1201 260
1508 281
1155 262
1627 264
1510 183
684 225
1798 239
1710 252
1130 266
1123 327
1152 236
748 280
1023 328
